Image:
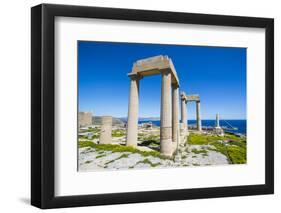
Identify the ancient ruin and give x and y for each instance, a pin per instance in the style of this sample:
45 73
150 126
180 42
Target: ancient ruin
217 129
146 145
184 121
162 65
84 119
106 130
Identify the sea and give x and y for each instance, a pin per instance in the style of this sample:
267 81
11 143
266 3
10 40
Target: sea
233 126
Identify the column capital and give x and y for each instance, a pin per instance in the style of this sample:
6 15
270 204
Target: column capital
175 85
183 97
134 76
165 71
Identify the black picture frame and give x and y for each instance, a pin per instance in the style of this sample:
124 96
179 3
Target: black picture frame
43 110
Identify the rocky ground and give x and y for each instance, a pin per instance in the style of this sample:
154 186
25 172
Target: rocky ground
91 159
201 149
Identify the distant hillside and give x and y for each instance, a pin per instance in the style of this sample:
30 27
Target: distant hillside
97 120
124 119
149 119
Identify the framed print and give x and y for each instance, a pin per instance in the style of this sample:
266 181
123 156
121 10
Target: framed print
139 106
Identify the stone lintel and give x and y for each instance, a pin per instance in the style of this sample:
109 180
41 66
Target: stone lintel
190 98
153 66
193 98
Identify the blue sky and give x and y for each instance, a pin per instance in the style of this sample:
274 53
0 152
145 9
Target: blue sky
217 74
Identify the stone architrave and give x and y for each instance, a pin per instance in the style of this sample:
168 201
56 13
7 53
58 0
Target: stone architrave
106 130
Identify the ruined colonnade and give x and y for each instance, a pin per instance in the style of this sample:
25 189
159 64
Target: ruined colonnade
184 120
169 114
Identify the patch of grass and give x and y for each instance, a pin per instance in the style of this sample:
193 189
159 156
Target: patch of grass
235 149
118 133
120 148
149 139
146 161
83 137
141 135
196 151
83 144
100 156
88 161
90 129
86 137
122 156
196 164
235 154
198 139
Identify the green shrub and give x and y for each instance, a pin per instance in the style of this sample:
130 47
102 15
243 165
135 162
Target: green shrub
118 133
119 148
235 149
196 151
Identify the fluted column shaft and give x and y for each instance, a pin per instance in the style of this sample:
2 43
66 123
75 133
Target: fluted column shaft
183 112
133 111
198 116
175 112
166 117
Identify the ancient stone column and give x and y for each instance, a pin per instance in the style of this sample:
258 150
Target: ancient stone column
106 130
166 118
198 116
133 110
183 123
217 120
183 111
175 112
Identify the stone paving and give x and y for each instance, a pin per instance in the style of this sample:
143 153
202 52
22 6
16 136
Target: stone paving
91 159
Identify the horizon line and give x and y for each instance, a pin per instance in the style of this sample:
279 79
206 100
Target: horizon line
158 118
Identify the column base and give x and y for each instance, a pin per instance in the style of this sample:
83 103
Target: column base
174 146
218 131
183 134
132 143
166 147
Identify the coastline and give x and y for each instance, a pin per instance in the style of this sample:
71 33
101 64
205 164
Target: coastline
240 124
